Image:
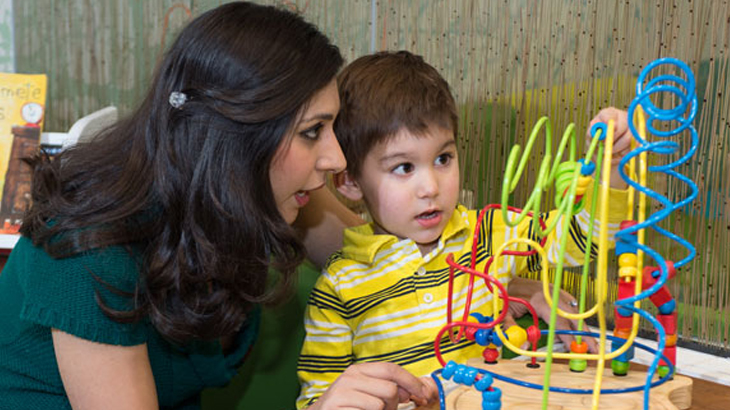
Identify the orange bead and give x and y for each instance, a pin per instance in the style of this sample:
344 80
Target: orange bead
622 333
578 348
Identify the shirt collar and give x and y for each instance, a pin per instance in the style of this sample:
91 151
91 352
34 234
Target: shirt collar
362 244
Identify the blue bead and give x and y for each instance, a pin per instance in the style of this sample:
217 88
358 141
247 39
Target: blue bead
668 307
469 375
492 395
587 168
491 405
625 356
482 336
459 374
603 126
624 312
625 247
449 369
496 340
484 383
478 316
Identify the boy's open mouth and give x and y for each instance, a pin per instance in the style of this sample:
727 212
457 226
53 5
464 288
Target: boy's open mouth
428 215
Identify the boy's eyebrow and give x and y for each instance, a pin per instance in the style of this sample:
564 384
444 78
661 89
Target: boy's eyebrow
448 144
396 155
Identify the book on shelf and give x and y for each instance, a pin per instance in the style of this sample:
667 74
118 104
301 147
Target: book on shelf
22 108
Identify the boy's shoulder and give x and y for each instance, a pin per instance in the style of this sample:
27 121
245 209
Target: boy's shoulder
341 262
333 259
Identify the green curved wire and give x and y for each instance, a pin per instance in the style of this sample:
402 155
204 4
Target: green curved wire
560 172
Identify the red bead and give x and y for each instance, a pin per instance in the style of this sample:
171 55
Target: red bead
627 224
671 353
470 331
621 321
533 334
662 295
490 355
669 322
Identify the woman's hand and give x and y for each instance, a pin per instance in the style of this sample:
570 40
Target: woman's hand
375 386
621 140
321 224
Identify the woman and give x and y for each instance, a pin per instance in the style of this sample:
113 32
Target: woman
145 255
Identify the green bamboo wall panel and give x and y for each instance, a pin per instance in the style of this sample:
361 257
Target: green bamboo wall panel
508 62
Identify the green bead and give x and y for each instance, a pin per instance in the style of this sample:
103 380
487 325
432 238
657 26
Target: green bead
620 368
663 371
578 365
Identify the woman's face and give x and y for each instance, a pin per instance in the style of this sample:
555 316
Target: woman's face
307 154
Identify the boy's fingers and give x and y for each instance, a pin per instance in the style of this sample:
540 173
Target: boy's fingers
408 384
508 321
433 396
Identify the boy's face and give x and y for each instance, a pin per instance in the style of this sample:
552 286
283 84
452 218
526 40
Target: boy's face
411 185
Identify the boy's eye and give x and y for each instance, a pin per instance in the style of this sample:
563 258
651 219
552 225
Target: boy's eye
444 159
402 169
312 132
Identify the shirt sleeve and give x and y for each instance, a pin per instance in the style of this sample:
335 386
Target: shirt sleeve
577 233
327 348
65 293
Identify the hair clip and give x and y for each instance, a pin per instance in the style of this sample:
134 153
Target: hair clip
177 99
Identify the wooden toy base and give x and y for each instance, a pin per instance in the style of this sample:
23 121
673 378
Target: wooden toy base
672 395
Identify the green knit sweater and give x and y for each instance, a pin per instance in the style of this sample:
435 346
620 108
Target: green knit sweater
38 293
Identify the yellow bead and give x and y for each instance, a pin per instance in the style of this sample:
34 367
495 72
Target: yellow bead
517 335
670 340
627 272
627 259
584 181
582 185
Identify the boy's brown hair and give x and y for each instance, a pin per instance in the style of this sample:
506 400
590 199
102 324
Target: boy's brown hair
382 93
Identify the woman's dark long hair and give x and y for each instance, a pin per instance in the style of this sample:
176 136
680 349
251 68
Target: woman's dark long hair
191 184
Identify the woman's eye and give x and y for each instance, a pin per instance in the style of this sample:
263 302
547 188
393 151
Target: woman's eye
312 133
444 159
403 169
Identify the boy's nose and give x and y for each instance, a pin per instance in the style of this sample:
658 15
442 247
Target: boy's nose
428 185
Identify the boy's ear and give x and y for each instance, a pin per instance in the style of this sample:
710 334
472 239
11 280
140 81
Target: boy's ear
347 186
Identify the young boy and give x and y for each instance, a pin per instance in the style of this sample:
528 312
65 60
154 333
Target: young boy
383 296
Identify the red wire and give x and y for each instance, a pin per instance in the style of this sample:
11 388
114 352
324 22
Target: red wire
464 323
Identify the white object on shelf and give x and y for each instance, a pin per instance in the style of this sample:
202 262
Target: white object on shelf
8 241
54 138
89 126
84 129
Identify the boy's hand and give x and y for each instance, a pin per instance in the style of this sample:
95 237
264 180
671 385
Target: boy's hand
621 140
378 385
531 290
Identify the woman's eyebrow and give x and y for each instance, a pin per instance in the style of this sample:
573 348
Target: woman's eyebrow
322 116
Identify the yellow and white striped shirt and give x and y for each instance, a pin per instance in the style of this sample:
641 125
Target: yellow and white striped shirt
379 299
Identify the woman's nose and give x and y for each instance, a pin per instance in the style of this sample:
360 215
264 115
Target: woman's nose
331 158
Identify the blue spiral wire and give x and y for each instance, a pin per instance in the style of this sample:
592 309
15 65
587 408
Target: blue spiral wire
682 116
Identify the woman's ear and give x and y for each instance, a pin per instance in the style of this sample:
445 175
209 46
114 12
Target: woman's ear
347 186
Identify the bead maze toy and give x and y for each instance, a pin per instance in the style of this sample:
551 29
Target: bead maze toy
580 386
